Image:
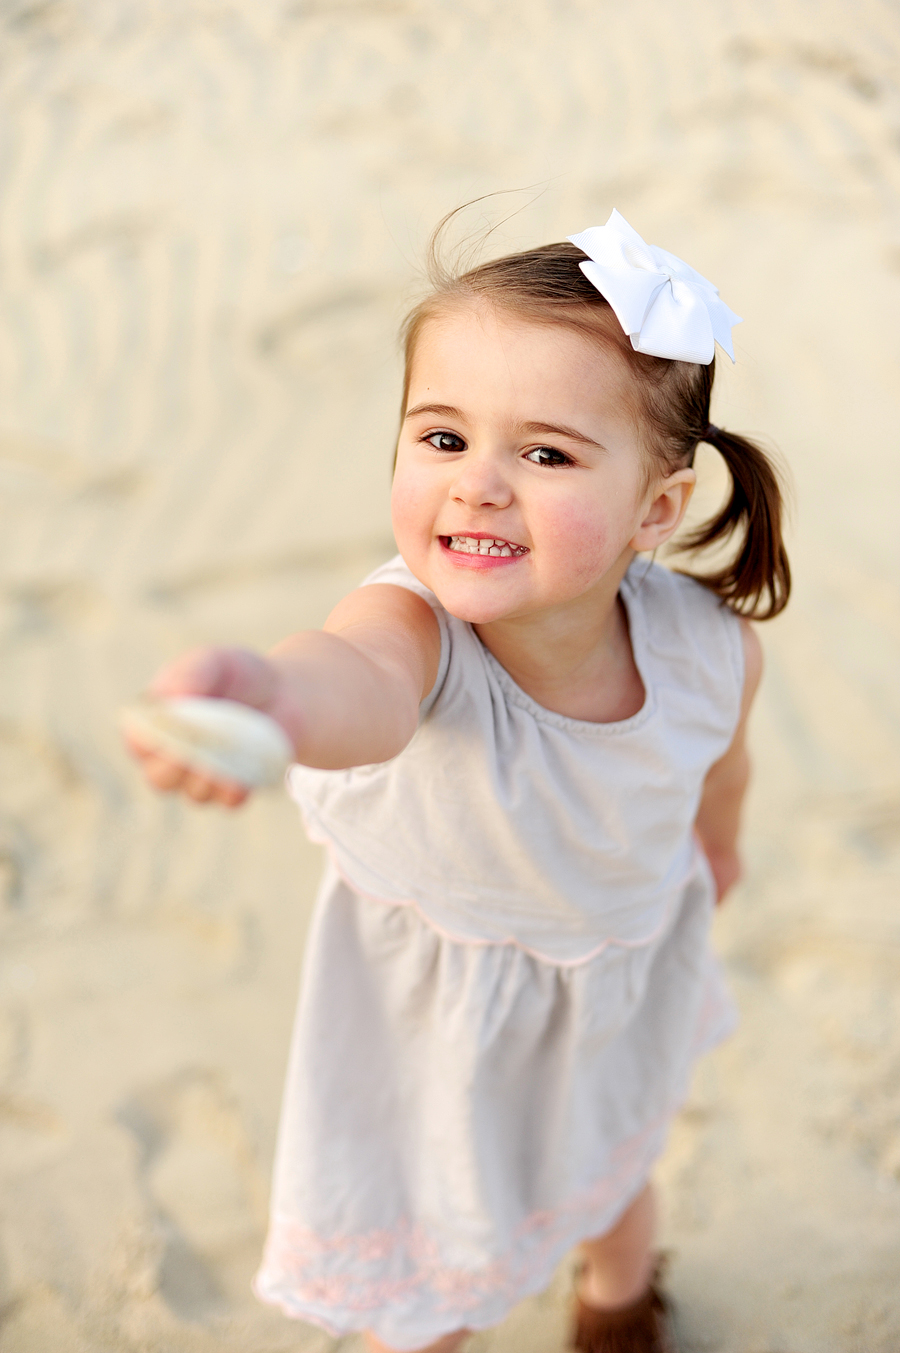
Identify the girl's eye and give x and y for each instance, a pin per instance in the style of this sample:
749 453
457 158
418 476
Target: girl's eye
445 441
547 455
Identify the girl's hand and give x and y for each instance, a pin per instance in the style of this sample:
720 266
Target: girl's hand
344 696
726 871
230 673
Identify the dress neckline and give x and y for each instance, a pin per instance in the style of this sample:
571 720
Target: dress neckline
637 634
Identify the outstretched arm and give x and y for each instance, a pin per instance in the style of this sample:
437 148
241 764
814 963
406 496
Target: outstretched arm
346 695
719 815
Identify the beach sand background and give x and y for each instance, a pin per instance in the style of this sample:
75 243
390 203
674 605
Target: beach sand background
211 215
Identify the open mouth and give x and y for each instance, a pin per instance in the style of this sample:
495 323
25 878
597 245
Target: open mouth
489 545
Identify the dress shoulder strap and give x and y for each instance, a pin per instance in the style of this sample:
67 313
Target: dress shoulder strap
396 574
689 637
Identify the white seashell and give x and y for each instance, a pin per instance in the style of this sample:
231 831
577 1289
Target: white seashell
222 738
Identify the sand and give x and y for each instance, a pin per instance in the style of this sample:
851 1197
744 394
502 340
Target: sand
211 217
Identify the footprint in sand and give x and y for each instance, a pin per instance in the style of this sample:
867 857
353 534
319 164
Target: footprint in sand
31 1131
204 1188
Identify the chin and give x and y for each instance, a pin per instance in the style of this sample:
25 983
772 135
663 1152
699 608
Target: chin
474 616
473 610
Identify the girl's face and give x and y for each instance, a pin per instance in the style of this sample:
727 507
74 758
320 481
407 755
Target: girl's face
520 483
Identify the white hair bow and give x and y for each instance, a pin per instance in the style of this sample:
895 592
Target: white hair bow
665 308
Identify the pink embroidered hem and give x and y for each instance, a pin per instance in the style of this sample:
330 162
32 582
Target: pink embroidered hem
338 1282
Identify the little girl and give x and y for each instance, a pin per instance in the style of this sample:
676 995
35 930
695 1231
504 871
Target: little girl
524 750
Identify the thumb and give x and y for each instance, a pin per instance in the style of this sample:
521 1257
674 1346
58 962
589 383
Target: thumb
226 673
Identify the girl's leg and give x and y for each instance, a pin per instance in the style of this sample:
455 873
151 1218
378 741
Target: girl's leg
618 1266
449 1344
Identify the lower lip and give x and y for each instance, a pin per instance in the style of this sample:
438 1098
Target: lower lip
479 561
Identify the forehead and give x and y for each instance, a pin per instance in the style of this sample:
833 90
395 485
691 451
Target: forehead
472 351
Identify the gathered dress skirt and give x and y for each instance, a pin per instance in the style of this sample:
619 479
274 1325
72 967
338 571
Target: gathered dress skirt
457 1115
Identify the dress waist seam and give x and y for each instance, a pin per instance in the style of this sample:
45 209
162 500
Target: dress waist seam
479 941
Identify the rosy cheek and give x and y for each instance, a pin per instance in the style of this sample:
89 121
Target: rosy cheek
401 518
410 509
582 539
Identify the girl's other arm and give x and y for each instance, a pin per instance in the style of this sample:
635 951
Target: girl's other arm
719 815
346 695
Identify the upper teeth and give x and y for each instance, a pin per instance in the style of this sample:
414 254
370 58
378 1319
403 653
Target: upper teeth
476 545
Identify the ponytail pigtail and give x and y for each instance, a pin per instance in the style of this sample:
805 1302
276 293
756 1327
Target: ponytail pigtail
756 583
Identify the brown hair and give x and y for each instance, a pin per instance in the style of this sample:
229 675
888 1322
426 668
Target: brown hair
672 400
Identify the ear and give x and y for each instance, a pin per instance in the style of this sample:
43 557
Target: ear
666 508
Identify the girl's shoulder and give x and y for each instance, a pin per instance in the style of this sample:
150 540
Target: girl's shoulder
396 573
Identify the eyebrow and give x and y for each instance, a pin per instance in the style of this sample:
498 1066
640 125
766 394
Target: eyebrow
445 410
553 429
559 429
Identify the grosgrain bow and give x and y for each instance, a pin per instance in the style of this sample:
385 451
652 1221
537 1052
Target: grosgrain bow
665 308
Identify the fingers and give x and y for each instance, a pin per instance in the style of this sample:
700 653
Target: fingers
171 777
225 673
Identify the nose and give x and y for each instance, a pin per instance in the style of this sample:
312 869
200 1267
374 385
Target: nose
480 481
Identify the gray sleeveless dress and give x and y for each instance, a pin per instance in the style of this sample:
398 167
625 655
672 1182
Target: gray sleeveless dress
506 983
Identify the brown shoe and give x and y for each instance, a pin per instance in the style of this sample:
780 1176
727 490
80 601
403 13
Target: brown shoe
643 1327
